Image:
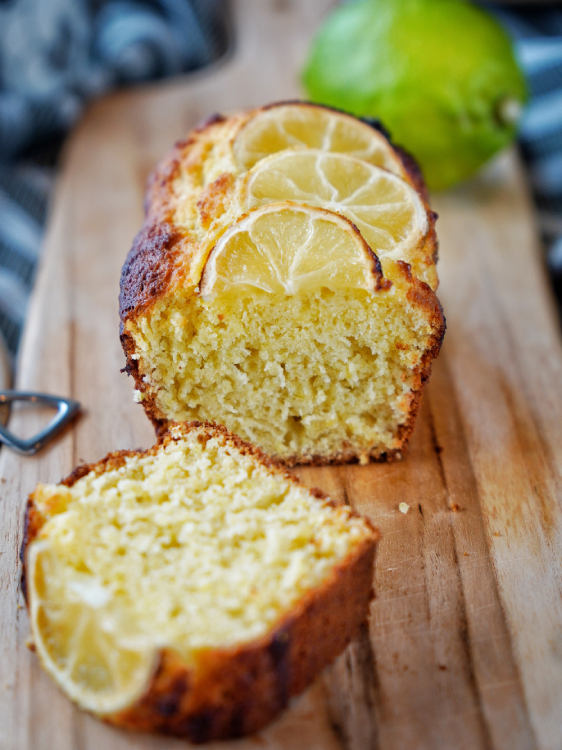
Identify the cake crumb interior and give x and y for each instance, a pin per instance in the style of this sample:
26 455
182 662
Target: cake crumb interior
194 547
296 375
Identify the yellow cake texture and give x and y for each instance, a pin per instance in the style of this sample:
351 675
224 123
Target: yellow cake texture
194 588
284 285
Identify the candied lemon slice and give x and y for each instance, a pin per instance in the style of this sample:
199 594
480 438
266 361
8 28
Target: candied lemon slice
301 125
82 637
387 211
286 248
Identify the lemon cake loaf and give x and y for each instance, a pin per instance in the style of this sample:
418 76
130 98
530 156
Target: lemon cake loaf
284 285
194 588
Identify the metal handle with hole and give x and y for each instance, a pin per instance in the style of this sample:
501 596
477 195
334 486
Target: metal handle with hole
67 409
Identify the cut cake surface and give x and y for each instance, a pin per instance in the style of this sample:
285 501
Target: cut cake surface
205 576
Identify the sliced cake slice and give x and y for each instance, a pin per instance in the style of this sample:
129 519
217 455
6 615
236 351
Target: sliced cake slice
194 588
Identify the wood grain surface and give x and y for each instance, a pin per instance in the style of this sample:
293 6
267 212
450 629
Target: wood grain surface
463 650
5 378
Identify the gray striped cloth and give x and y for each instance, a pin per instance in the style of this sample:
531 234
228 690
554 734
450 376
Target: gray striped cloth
82 48
537 33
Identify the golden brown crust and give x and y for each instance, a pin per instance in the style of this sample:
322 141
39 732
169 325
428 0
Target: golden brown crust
33 521
431 244
235 691
214 199
412 170
148 267
132 368
186 160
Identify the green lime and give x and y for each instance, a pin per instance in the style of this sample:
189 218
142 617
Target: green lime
440 74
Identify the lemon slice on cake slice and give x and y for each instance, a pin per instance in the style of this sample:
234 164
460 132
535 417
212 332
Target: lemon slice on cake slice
82 638
295 125
388 212
286 248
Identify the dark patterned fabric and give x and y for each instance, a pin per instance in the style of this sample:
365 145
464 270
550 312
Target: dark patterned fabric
537 32
55 55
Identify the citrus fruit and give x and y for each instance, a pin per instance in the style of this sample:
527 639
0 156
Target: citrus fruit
387 211
82 638
300 125
440 74
285 248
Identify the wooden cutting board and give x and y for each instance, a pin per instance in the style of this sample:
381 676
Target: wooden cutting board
463 650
